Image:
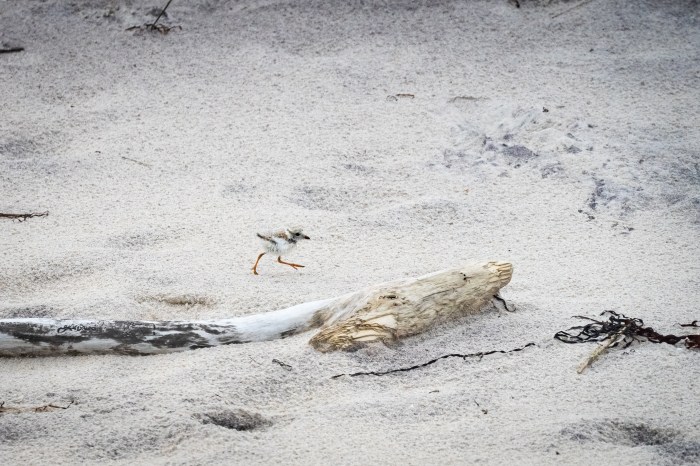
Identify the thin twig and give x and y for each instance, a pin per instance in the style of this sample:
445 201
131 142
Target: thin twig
136 161
11 49
23 217
602 348
572 8
161 14
35 409
283 364
464 97
433 361
483 410
61 407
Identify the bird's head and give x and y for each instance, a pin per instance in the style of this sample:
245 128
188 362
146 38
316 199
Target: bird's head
296 234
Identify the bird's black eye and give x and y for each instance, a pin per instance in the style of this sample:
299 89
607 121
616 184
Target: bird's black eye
297 234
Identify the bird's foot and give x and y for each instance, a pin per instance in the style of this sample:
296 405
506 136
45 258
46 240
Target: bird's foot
291 264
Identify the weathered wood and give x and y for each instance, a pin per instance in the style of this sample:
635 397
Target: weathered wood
51 337
384 313
396 310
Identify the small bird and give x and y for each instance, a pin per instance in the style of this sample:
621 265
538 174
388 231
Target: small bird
278 243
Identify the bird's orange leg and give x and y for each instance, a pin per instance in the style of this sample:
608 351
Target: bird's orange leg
255 267
296 266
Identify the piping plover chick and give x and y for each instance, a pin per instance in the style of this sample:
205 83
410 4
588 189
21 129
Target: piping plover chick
278 243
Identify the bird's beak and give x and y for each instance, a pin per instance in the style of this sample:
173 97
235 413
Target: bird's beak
306 237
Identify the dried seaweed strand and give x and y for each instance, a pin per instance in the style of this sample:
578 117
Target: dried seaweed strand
619 329
628 329
432 361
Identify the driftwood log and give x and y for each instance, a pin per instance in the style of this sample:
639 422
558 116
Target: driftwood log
385 312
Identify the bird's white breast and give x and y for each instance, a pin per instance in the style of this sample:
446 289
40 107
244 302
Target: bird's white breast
278 246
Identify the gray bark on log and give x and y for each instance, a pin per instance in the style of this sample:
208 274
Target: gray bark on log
385 312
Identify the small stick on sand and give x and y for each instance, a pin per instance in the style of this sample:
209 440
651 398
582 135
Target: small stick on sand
11 49
136 161
153 26
31 409
572 8
283 364
602 348
23 217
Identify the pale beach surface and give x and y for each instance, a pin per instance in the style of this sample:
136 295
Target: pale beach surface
405 137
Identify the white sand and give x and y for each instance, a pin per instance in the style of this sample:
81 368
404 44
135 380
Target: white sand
260 114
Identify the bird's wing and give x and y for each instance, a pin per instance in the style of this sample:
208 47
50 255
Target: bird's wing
281 234
265 238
